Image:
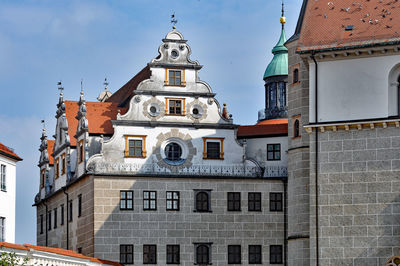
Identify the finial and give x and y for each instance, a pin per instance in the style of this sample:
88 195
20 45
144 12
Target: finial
173 21
82 85
60 87
44 124
283 18
105 84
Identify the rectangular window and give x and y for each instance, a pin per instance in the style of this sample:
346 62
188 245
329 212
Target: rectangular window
234 254
213 148
63 164
80 205
233 201
42 178
79 250
175 78
149 200
80 151
55 218
3 178
126 254
255 254
273 152
2 229
149 254
173 254
172 201
126 200
254 201
275 202
275 254
41 224
49 221
135 146
62 214
57 167
70 211
175 107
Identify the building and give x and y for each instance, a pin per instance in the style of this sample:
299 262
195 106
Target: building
155 174
344 74
8 166
38 255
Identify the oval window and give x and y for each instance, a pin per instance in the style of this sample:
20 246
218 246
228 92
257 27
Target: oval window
174 54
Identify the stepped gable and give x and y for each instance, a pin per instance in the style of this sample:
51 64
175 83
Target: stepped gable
341 24
125 93
266 128
98 114
6 151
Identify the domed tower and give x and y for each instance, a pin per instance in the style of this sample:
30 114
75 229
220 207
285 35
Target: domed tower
275 77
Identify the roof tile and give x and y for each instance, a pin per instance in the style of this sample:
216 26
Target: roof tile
6 151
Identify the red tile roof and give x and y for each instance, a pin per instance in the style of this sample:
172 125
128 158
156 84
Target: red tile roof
58 251
273 122
125 93
373 22
50 147
6 151
98 114
263 130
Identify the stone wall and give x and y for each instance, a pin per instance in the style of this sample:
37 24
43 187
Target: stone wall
184 227
359 196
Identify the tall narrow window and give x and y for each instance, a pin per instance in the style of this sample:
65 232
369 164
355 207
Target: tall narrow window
175 77
202 201
233 201
57 167
149 254
126 200
41 224
203 254
272 96
296 128
2 229
254 201
173 254
49 221
70 211
126 254
63 164
295 75
255 256
80 151
172 200
275 201
149 200
62 214
55 218
273 152
234 254
282 94
275 254
3 178
80 205
42 178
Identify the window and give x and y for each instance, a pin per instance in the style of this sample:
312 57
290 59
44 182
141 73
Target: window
275 254
254 201
273 152
135 146
295 75
126 254
80 205
49 221
42 178
172 200
202 201
149 200
57 167
234 254
175 77
80 156
63 166
175 107
62 214
79 250
233 201
275 202
296 128
3 178
55 218
2 229
41 224
126 200
213 148
203 254
173 254
70 211
149 254
255 254
173 151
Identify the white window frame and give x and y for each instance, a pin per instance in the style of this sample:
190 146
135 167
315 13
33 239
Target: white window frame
2 229
3 177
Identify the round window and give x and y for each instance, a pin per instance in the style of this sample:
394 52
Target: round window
174 54
195 111
173 152
153 109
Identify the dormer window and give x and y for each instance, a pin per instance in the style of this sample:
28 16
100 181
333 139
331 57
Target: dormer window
175 77
175 106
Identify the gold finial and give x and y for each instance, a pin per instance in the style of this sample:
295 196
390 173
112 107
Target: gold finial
283 18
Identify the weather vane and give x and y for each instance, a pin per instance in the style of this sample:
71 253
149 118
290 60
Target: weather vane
60 87
105 83
173 21
44 125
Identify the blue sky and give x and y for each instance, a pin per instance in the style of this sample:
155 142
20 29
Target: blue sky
42 42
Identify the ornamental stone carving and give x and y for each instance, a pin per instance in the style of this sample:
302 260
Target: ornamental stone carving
197 110
153 108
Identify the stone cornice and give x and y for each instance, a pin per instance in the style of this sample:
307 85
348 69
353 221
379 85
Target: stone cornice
347 125
172 124
174 93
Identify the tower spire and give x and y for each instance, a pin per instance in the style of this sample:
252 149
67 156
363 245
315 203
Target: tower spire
283 18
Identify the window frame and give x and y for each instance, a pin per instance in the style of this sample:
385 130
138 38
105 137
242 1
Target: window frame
196 253
172 200
70 211
55 218
275 256
233 256
135 137
167 77
3 229
252 207
296 128
255 260
79 205
196 205
49 220
167 106
81 151
173 254
63 164
42 178
234 201
274 152
126 200
125 253
62 214
296 77
41 224
3 177
151 252
221 147
57 168
274 202
149 200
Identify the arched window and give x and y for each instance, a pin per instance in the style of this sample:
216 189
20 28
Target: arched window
202 254
295 75
202 201
296 128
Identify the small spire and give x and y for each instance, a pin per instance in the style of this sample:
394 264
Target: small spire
81 85
283 18
60 87
173 21
106 84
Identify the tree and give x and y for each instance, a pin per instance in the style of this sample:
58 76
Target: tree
11 259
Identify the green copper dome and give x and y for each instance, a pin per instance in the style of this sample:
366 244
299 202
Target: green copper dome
279 64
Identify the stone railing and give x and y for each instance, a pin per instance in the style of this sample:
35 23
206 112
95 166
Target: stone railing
275 171
271 113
